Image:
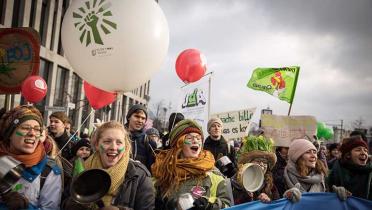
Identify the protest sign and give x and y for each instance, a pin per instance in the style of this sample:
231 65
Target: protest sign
235 123
284 129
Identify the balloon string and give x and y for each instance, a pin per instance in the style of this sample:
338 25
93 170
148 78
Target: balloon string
72 136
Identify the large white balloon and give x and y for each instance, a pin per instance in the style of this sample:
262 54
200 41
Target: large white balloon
116 45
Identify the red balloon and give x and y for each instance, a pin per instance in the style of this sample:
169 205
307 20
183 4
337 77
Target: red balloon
34 89
98 98
191 65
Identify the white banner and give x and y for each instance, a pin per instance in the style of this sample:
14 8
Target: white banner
235 123
195 102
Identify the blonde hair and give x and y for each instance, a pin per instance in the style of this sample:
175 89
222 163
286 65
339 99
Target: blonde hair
112 125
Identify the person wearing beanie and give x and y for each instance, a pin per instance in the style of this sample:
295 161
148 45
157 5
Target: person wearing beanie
40 184
82 149
217 144
257 150
304 167
187 168
57 130
305 172
141 149
174 118
354 170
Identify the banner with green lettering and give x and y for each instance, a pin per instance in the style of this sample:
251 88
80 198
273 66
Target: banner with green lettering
278 82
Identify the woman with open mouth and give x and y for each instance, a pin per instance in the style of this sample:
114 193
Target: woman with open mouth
187 169
354 170
131 186
304 168
40 184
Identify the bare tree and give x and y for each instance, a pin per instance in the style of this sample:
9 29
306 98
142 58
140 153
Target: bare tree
358 124
160 111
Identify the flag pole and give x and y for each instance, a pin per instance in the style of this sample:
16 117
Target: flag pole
209 94
294 91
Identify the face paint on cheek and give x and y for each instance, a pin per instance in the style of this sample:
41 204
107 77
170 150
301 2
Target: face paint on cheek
187 142
120 150
101 148
20 134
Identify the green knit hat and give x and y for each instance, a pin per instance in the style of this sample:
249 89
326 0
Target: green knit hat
184 127
257 147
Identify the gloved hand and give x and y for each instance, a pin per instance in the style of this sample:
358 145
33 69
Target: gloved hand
293 194
201 204
341 192
69 203
14 200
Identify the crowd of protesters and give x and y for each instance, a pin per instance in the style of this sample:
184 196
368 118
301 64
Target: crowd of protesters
149 170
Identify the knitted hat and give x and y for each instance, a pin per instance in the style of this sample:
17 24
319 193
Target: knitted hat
134 109
298 147
14 117
350 143
214 120
184 127
79 144
61 116
152 131
257 147
174 118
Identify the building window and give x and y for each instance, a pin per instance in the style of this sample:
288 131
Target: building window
44 69
74 97
60 92
65 4
2 11
75 88
33 13
54 25
18 13
44 21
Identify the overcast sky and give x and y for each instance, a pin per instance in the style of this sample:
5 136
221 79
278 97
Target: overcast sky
331 40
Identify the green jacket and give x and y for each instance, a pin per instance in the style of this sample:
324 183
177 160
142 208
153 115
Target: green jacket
213 187
356 179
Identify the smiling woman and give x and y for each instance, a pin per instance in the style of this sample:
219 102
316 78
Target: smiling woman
21 131
130 180
186 170
353 171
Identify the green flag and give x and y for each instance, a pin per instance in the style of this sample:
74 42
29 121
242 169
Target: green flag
78 167
278 82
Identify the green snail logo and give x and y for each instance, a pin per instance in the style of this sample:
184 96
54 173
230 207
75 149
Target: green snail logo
91 19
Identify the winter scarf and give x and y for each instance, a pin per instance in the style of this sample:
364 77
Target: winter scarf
116 172
170 169
311 183
356 179
28 160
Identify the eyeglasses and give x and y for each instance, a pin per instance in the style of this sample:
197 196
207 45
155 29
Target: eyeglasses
24 129
191 137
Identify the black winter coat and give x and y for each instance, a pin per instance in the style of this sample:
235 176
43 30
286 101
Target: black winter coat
137 191
141 149
220 148
278 172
